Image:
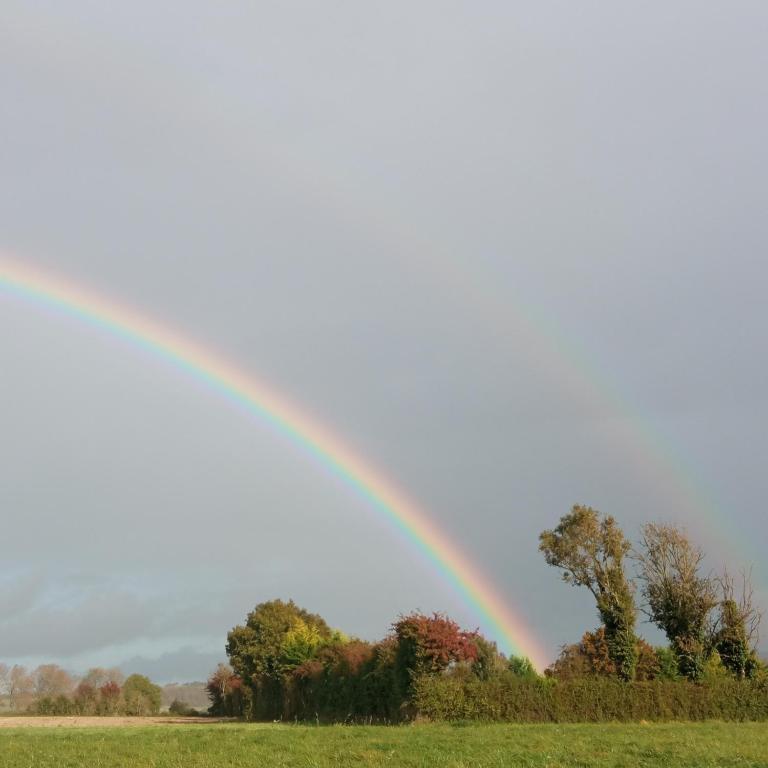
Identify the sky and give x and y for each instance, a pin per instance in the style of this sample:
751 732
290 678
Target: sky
513 253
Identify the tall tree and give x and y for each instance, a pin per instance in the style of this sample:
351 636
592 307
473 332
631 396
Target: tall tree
5 679
276 638
678 597
590 549
736 631
21 688
225 691
51 680
99 676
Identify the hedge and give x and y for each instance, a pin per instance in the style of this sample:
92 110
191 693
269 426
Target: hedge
589 699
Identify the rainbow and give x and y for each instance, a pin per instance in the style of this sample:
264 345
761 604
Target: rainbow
259 400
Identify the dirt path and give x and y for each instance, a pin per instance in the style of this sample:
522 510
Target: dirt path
100 722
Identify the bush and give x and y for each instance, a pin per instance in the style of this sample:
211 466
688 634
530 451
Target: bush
182 709
587 699
60 705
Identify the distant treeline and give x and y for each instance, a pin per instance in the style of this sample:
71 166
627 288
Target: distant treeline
287 663
51 690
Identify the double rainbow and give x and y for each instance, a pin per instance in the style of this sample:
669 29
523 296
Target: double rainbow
328 449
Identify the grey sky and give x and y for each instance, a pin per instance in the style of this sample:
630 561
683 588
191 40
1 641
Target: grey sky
513 252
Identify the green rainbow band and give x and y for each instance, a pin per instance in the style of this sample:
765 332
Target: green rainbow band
512 634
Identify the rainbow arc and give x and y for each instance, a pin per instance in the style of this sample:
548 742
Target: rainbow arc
268 406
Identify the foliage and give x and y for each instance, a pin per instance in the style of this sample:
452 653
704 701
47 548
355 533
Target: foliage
99 676
226 692
678 597
86 699
590 550
346 682
109 698
521 667
54 705
667 664
588 699
141 696
182 709
277 637
50 681
427 645
736 631
592 656
21 688
488 661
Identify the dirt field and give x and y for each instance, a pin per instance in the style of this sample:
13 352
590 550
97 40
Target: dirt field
96 722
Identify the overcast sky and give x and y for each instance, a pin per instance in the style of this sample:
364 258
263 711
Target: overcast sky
514 253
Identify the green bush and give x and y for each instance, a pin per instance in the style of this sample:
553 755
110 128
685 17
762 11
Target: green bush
60 705
587 699
182 709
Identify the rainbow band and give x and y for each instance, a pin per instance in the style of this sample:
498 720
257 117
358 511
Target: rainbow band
257 399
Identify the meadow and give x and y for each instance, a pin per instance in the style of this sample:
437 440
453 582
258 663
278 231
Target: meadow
447 745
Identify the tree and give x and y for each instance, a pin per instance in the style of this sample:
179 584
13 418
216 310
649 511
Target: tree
277 637
678 597
5 680
51 681
225 691
427 645
141 696
109 699
273 635
591 657
86 698
590 549
99 676
21 688
736 631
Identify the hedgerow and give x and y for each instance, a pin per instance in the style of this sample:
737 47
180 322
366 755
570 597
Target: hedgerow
587 699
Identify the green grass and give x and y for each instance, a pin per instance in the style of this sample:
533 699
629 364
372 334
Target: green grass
236 745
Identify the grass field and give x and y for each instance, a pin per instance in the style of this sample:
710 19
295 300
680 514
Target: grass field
227 744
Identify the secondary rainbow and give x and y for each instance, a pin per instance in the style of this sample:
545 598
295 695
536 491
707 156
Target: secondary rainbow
327 448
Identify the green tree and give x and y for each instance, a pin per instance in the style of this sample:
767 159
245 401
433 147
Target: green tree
141 696
736 631
276 638
590 549
678 597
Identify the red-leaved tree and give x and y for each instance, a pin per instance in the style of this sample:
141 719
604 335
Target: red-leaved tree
428 645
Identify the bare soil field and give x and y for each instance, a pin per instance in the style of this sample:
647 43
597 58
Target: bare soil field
75 721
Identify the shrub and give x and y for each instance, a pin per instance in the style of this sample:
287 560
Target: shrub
588 699
182 709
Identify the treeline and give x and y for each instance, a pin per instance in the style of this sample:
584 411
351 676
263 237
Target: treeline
50 690
710 620
287 663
